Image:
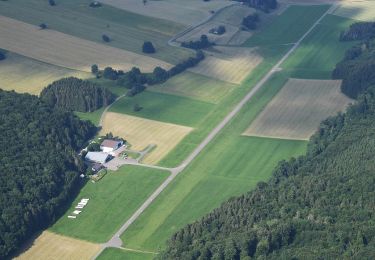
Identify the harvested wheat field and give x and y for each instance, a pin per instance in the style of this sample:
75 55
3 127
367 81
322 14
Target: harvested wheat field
141 132
173 10
230 64
50 246
298 109
363 10
25 75
67 51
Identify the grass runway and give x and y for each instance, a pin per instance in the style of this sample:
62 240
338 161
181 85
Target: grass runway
112 200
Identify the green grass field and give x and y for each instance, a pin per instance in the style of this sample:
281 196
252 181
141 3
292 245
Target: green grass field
195 86
165 108
127 30
319 53
229 166
93 117
110 85
121 254
112 201
186 146
288 27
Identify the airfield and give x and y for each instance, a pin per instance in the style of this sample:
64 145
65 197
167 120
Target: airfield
219 128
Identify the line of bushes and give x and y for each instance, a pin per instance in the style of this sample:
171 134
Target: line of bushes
136 81
202 43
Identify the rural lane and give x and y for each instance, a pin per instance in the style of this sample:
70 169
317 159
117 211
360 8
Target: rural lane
115 241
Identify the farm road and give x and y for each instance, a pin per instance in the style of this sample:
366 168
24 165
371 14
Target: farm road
115 241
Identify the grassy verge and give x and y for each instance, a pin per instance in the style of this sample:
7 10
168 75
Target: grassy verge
112 200
121 254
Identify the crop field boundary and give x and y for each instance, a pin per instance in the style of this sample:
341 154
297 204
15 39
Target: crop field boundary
67 51
116 241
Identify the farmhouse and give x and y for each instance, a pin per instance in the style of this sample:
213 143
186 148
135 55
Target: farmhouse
97 157
108 146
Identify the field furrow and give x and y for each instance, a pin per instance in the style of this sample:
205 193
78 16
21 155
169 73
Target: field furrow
298 109
67 51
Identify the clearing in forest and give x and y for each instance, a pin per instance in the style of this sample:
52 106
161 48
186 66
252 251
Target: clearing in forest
141 132
230 64
26 75
173 10
67 51
363 10
52 246
298 109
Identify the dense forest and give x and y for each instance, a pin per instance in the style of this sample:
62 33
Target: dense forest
358 66
359 31
318 206
39 167
76 95
264 5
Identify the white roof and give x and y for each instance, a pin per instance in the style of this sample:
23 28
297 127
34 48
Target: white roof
99 157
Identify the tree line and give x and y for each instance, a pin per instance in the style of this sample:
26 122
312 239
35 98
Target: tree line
39 167
202 43
317 206
357 68
2 55
136 81
264 5
76 95
359 31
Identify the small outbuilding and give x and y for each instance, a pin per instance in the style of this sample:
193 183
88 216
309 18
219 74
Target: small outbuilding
96 167
97 157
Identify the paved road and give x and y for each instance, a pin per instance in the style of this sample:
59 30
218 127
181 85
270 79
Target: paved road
115 241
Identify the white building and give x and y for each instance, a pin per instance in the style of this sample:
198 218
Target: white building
109 146
97 157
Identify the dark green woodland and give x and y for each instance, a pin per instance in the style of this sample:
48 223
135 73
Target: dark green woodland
76 94
39 165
